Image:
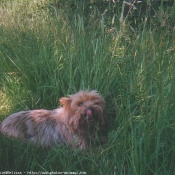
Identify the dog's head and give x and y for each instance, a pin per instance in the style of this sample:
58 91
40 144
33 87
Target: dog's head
85 108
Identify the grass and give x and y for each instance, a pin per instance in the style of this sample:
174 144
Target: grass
44 56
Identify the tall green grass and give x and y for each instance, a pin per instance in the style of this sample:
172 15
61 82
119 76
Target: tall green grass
45 55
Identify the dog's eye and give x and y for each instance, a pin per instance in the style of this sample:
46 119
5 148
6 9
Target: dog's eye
80 104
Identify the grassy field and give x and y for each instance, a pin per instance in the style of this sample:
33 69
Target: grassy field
47 53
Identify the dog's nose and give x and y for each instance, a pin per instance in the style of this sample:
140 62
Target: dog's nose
90 108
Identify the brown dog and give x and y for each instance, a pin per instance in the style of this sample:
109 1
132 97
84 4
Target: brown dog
75 123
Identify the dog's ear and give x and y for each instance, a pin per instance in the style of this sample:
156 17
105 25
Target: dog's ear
65 102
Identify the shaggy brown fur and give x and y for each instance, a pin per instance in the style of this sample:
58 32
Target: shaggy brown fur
75 123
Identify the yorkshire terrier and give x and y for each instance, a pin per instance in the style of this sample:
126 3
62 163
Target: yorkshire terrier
76 123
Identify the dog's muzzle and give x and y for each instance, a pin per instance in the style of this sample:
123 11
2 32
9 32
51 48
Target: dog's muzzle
89 114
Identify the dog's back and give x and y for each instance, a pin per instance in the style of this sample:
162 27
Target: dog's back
35 126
